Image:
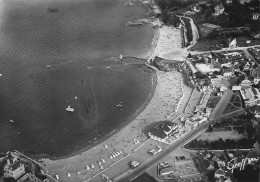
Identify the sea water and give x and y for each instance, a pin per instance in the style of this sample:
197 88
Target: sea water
55 54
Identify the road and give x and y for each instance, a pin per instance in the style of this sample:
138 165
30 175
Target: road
184 139
224 49
190 135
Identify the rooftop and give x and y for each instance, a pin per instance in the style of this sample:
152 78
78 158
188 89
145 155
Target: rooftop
162 129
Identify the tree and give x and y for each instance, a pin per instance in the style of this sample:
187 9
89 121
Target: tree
206 144
9 180
249 129
162 4
175 8
208 15
210 129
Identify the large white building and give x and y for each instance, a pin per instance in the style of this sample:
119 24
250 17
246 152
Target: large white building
251 96
163 131
13 168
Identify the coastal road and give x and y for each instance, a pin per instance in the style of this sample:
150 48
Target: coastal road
185 138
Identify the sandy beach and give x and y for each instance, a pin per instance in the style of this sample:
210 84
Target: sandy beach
168 91
169 44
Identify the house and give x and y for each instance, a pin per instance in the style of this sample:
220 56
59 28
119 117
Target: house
251 96
255 16
236 68
236 55
13 168
211 167
236 88
229 2
245 84
226 64
219 174
191 124
196 8
227 72
162 131
246 66
233 43
219 9
223 88
256 74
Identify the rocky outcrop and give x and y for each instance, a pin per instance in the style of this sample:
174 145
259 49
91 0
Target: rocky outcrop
165 64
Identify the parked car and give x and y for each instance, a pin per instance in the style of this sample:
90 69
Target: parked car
155 151
134 164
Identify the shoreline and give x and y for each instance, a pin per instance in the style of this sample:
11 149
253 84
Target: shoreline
124 124
164 99
118 129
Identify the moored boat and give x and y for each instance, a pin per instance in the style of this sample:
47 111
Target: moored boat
69 109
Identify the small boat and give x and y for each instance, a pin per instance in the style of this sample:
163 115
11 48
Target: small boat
121 56
52 10
69 109
76 97
12 121
18 133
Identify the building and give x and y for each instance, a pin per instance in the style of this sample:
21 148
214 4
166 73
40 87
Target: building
219 175
246 66
256 74
196 8
236 67
245 83
20 170
233 43
192 68
235 55
206 68
222 88
229 1
251 96
219 9
236 88
13 168
163 131
166 171
255 16
191 124
227 72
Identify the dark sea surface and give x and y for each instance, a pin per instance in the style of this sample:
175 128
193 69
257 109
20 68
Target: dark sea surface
59 53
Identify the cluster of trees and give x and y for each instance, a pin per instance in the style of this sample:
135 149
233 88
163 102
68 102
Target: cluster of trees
240 120
236 14
220 144
240 14
169 10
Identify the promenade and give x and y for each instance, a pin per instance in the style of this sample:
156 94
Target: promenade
178 144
